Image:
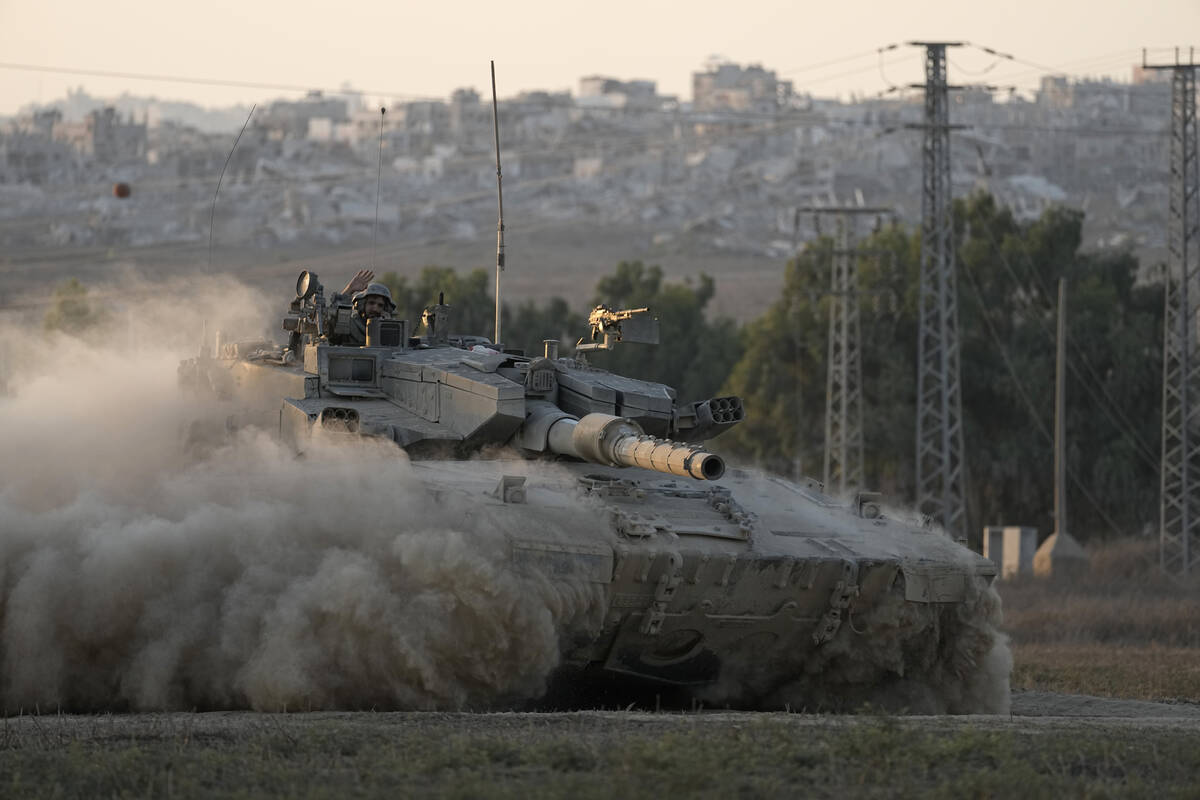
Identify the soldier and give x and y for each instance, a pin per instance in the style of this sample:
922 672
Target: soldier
374 301
368 300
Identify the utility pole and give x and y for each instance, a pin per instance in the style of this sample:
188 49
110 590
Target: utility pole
941 478
1179 504
843 375
500 203
1060 415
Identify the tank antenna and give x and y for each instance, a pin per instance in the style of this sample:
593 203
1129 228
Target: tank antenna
500 199
213 211
378 178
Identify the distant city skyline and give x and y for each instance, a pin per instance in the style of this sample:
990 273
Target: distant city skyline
392 52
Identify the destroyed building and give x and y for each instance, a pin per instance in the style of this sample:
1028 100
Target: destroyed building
725 172
598 91
30 152
110 140
292 119
724 86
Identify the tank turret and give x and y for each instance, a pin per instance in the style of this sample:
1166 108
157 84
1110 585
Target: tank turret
441 391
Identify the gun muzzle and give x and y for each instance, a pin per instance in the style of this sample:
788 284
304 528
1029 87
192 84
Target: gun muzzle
618 442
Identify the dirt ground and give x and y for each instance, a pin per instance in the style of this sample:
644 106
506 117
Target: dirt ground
1027 705
1031 710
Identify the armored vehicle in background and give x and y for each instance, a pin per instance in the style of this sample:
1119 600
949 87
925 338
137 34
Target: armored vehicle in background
722 585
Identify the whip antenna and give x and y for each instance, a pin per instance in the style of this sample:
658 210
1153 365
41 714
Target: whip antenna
378 177
213 211
500 199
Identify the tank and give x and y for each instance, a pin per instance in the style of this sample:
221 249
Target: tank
721 585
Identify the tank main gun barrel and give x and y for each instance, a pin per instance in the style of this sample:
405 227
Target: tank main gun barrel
618 442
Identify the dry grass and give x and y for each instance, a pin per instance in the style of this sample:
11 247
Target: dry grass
1123 629
1122 600
1137 673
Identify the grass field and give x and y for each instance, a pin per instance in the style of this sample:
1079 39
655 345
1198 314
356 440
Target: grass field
590 754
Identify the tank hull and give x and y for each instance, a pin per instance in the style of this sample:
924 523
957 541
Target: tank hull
750 592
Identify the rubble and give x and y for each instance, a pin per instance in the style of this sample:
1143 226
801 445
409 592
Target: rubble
726 170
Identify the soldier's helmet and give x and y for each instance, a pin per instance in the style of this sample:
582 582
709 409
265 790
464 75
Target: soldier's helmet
377 289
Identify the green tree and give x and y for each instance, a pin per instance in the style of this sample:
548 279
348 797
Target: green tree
694 356
531 324
473 309
1009 283
472 306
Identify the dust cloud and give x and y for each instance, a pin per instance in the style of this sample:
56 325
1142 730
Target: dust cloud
888 654
920 658
134 575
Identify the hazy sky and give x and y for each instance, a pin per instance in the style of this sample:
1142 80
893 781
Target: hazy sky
430 48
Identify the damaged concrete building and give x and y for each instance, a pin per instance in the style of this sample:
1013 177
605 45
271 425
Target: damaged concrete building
725 86
725 171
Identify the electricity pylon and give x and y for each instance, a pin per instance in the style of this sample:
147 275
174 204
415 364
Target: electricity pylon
1179 503
843 375
941 475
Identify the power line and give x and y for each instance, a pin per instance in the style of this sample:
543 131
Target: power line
983 71
1043 67
856 71
1025 399
1075 129
395 95
1122 57
1010 57
407 96
1114 413
829 63
143 76
718 114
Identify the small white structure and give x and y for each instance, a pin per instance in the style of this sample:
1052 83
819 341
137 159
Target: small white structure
1012 547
